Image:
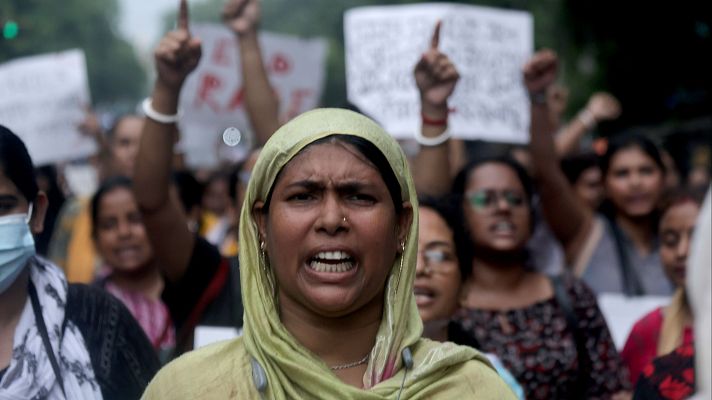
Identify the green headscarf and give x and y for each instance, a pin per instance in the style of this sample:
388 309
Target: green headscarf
292 370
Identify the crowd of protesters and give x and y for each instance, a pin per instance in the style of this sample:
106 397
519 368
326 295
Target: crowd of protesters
345 276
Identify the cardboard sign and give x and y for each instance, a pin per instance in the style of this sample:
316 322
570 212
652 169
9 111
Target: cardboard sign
43 100
623 312
213 99
488 46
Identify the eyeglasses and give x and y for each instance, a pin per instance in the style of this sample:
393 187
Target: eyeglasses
438 261
487 200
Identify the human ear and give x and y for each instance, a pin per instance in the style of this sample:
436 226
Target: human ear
39 210
405 220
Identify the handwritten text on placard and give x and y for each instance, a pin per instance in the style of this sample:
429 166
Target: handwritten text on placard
487 45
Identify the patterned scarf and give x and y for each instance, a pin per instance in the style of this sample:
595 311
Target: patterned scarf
30 374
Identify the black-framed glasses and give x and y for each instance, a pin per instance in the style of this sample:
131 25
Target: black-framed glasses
487 200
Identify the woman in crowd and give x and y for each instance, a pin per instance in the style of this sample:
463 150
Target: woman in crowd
131 272
531 322
662 330
327 271
56 340
437 282
618 251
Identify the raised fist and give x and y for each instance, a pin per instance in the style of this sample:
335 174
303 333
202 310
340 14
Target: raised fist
603 106
540 71
242 16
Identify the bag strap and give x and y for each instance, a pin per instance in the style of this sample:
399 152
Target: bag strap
42 328
631 281
584 361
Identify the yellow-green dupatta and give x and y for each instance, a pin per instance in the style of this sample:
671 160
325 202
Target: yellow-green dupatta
292 371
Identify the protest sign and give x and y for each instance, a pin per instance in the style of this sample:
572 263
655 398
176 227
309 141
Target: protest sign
622 312
487 45
213 98
43 100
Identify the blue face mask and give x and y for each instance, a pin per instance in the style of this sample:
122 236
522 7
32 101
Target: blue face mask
16 247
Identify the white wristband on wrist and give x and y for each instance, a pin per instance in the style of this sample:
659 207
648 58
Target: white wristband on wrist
432 141
151 113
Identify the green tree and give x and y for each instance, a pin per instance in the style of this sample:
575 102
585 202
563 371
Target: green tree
115 74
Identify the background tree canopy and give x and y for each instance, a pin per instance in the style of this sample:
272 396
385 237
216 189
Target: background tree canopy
115 74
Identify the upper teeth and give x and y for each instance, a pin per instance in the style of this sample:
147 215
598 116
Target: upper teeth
332 255
503 225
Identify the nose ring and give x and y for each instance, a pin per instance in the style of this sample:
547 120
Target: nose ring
344 220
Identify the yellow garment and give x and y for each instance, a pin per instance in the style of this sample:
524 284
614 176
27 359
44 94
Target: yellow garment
440 370
81 256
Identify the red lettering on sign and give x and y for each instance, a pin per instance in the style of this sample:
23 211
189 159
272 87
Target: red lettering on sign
220 55
280 64
237 99
296 100
207 86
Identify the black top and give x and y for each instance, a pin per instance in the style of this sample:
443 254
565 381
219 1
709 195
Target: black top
121 355
208 293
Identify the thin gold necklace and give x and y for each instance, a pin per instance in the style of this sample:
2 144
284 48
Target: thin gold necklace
351 364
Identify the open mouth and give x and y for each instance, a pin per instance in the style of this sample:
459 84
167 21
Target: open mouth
502 227
423 296
332 262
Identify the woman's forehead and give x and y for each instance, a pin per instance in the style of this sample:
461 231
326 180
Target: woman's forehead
493 175
329 160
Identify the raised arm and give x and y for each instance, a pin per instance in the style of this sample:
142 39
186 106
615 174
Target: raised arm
436 77
601 107
176 57
262 104
569 219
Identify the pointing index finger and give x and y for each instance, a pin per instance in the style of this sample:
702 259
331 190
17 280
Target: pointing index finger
435 41
183 15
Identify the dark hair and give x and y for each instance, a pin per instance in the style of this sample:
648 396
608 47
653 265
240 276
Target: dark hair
623 142
574 165
117 121
16 164
190 191
234 178
680 195
463 237
443 207
106 187
627 141
373 154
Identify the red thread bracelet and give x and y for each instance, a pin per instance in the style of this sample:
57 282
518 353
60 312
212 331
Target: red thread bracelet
434 122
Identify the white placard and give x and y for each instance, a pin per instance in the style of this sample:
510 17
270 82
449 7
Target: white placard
43 100
205 335
213 99
623 312
487 45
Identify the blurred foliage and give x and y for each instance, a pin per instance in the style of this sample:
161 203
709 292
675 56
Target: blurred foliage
46 26
654 57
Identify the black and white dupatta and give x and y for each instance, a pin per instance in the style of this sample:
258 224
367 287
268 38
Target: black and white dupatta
31 373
